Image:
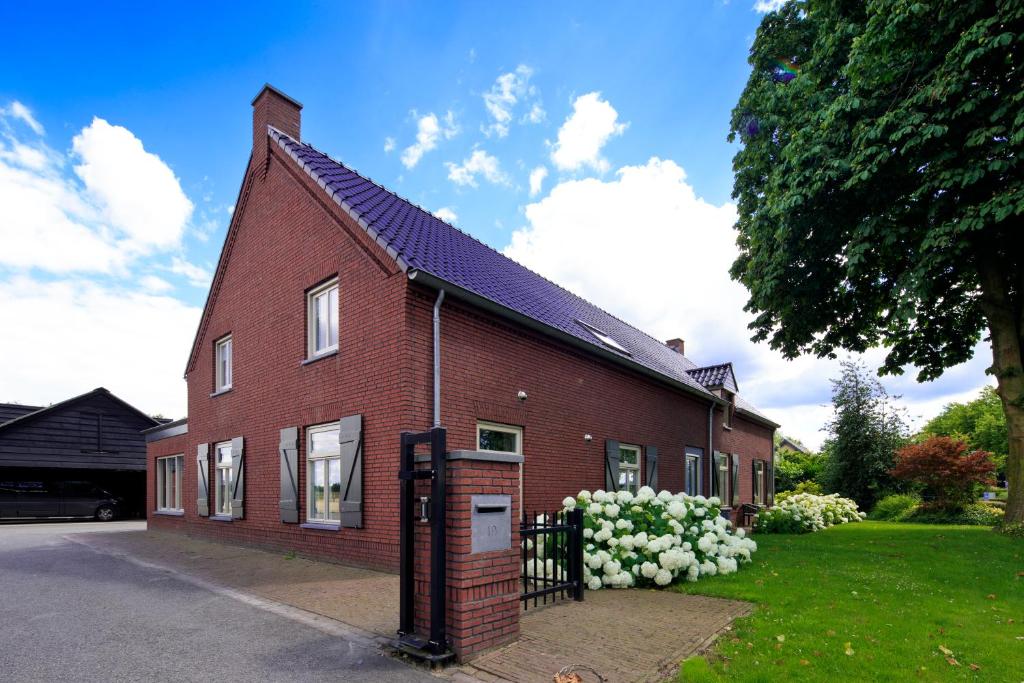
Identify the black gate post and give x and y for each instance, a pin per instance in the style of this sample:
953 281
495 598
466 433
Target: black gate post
576 548
438 543
436 648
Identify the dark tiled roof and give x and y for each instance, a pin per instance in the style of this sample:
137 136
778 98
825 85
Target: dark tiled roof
11 411
712 375
418 240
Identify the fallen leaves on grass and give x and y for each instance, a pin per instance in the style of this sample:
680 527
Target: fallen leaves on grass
781 638
974 667
848 649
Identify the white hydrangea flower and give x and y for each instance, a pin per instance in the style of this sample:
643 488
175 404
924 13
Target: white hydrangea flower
588 533
569 503
624 497
663 577
612 510
584 495
624 524
594 583
649 569
594 509
677 509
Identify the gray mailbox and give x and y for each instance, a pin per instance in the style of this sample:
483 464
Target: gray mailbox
492 523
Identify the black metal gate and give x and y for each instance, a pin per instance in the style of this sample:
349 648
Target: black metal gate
552 556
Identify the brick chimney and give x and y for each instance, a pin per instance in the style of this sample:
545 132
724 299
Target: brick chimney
675 344
271 107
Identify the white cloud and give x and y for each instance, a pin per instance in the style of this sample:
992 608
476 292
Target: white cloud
580 139
154 284
134 344
670 252
765 6
478 163
508 90
447 214
121 202
196 275
428 132
17 110
537 177
389 145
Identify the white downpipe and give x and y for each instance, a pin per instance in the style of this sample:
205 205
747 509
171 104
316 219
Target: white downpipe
437 358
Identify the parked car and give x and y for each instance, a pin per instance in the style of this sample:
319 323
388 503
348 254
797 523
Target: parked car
35 499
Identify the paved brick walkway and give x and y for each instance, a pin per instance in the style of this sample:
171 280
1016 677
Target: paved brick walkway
630 635
625 635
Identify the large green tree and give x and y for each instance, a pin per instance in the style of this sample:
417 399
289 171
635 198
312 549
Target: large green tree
880 187
865 432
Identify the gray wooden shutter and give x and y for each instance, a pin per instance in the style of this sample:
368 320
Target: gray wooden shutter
735 480
350 441
203 492
289 449
237 478
651 453
611 465
715 475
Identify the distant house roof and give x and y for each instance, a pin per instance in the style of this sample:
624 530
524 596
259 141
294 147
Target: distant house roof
421 243
792 445
38 412
10 411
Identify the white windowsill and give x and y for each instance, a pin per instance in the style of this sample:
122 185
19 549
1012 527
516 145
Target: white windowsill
221 518
170 513
221 392
322 526
326 354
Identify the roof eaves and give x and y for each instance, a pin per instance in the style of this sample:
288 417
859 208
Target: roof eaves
436 282
68 401
279 137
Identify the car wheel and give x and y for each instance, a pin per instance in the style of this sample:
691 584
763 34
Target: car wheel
105 513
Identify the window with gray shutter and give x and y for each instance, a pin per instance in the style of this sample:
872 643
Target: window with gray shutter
651 455
237 478
289 450
611 465
350 442
202 480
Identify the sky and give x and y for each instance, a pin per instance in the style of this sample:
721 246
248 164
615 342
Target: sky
586 140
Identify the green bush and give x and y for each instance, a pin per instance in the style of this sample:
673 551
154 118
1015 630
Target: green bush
975 514
895 508
811 487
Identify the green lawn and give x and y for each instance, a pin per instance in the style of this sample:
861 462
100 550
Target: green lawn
874 601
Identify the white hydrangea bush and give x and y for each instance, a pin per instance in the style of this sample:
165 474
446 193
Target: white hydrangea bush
802 513
653 539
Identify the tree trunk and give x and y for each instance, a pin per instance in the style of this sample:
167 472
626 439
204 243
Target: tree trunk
1003 312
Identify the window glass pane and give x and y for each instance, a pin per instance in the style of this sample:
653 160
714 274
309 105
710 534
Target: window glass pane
332 317
324 442
628 456
334 482
322 321
497 440
172 482
227 362
316 486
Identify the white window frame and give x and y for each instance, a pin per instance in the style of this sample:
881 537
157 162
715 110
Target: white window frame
508 429
630 467
163 504
694 457
312 460
311 319
222 472
224 375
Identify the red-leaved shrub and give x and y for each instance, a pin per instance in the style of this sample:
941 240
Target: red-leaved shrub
942 465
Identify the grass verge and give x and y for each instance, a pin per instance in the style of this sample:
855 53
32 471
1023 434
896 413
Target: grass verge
873 601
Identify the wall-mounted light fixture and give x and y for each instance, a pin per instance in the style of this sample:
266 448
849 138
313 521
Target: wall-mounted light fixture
521 395
588 438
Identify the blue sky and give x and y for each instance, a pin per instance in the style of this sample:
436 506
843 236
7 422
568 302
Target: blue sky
625 109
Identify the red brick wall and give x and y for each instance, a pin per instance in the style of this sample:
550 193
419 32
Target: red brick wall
486 362
286 241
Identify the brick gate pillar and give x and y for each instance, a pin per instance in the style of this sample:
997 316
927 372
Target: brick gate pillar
483 582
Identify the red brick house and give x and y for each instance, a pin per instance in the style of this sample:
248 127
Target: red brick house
341 315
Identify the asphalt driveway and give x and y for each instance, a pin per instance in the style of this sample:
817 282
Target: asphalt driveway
70 613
